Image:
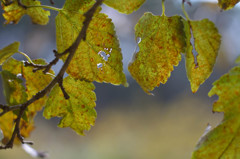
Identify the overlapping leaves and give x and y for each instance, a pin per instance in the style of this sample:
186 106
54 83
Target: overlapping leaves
163 39
98 58
13 74
78 111
223 141
14 12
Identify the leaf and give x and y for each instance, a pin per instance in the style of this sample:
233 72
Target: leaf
14 91
237 61
162 41
35 82
13 12
227 4
7 125
223 141
125 6
101 47
206 42
78 111
8 51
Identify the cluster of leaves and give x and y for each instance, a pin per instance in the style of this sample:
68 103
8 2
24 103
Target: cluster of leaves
88 45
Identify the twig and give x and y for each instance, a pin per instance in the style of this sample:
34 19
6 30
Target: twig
58 79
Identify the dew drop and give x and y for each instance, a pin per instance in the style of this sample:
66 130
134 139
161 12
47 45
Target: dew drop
99 65
19 75
104 55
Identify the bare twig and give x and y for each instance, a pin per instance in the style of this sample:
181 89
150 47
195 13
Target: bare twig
58 79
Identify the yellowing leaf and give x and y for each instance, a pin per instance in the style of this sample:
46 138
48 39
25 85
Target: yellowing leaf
78 111
14 91
8 51
98 58
7 126
162 40
227 4
223 141
14 12
207 42
124 6
35 82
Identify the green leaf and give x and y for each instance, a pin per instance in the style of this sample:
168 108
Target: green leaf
206 42
13 12
8 51
78 111
124 6
35 81
98 58
227 4
14 90
223 141
162 39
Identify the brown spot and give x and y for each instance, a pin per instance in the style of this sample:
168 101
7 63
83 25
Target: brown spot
83 106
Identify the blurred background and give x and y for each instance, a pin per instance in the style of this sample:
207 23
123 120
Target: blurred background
130 123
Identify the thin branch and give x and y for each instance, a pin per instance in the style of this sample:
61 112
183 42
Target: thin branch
72 49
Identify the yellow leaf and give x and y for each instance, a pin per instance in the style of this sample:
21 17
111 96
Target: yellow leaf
35 81
13 12
7 125
124 6
98 58
223 141
227 4
78 111
162 39
8 51
207 42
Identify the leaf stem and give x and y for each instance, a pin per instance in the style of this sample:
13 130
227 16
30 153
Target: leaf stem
163 7
45 6
184 11
27 57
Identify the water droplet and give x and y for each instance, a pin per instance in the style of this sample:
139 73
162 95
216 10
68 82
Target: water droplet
99 65
19 75
104 55
10 80
139 40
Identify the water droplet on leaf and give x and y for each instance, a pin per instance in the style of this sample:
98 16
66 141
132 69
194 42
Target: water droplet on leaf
104 55
99 65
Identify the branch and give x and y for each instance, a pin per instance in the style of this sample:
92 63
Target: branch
58 79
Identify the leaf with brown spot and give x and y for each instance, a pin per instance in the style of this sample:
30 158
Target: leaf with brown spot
98 58
227 4
160 47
